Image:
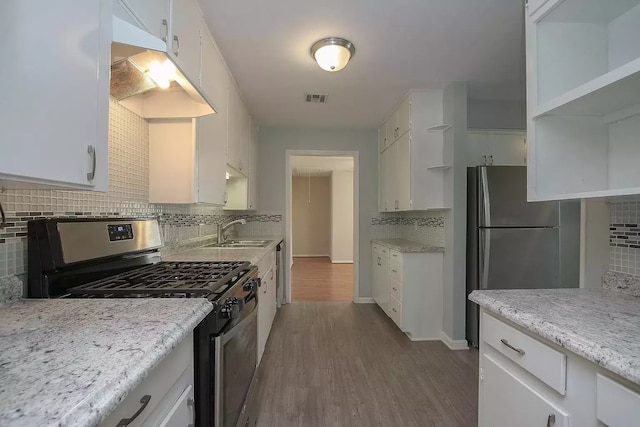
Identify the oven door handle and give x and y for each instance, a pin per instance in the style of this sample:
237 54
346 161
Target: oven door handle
231 329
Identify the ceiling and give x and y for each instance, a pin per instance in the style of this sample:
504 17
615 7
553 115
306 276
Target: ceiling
319 165
400 45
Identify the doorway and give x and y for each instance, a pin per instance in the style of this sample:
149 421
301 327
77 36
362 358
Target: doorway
322 226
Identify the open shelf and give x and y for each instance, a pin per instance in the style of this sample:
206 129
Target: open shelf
439 128
614 91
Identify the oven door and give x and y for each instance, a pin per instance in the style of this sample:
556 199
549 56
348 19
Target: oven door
235 367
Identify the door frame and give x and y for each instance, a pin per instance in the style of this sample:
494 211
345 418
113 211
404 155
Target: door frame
356 215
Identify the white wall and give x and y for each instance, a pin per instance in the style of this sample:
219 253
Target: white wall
455 256
311 215
496 114
272 172
342 216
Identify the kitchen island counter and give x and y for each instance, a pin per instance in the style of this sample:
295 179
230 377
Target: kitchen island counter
601 326
70 362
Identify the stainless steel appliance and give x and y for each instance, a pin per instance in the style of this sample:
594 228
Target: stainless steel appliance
514 244
119 258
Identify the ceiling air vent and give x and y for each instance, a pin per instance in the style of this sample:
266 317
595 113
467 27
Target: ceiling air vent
319 98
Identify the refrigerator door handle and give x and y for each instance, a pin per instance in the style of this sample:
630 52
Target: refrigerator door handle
485 255
485 217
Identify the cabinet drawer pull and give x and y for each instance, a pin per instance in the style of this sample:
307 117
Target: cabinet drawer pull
517 350
166 30
551 420
394 310
176 42
144 401
395 271
394 289
92 152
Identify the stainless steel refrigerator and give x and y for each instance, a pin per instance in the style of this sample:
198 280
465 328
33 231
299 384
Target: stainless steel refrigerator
514 244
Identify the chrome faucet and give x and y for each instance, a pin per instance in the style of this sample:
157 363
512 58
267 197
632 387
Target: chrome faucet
225 227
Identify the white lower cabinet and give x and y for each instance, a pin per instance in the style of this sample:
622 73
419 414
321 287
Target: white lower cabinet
408 287
267 304
525 380
512 402
165 397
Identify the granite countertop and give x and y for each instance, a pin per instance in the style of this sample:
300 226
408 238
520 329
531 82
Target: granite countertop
407 246
70 362
253 255
601 326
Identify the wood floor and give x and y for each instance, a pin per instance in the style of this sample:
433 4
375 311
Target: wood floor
344 364
317 279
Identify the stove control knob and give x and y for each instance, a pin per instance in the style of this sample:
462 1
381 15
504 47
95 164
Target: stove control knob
230 309
251 285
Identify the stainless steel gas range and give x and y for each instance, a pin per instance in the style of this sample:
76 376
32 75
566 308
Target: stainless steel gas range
119 258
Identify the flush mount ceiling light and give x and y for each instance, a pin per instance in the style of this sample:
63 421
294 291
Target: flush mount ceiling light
332 53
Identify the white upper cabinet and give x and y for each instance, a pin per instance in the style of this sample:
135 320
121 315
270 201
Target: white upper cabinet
55 91
583 95
496 148
153 15
253 169
239 132
418 154
184 36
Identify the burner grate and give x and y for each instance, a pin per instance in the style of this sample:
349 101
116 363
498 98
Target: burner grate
167 279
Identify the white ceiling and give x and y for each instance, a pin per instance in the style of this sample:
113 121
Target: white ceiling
319 165
400 45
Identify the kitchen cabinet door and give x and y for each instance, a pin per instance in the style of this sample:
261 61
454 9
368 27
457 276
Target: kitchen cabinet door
403 172
253 169
477 148
392 177
55 93
382 182
266 309
152 14
508 149
184 40
381 288
390 129
403 116
211 130
506 400
234 127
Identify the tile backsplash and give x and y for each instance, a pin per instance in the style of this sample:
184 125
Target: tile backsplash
127 196
624 237
423 227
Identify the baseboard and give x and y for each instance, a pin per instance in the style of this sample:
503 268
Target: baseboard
338 261
365 300
412 338
311 256
453 344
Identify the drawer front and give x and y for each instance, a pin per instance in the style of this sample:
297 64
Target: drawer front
395 271
395 256
616 405
542 361
396 290
159 383
395 311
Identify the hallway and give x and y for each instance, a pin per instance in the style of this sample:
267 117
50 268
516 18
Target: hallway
317 279
345 364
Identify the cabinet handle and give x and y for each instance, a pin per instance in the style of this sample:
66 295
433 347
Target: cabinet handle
485 160
517 350
394 270
551 420
394 289
490 160
394 310
92 152
192 408
144 401
176 42
166 30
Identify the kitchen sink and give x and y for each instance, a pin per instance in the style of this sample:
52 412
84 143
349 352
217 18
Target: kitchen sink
241 244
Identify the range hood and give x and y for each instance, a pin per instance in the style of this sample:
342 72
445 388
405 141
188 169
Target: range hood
147 81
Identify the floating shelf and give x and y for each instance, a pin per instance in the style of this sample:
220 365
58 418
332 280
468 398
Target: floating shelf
611 92
438 128
439 167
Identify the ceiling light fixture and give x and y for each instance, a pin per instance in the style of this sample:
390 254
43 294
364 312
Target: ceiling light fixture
332 53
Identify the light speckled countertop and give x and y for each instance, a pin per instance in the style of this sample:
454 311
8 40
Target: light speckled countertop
407 246
70 362
601 326
253 255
